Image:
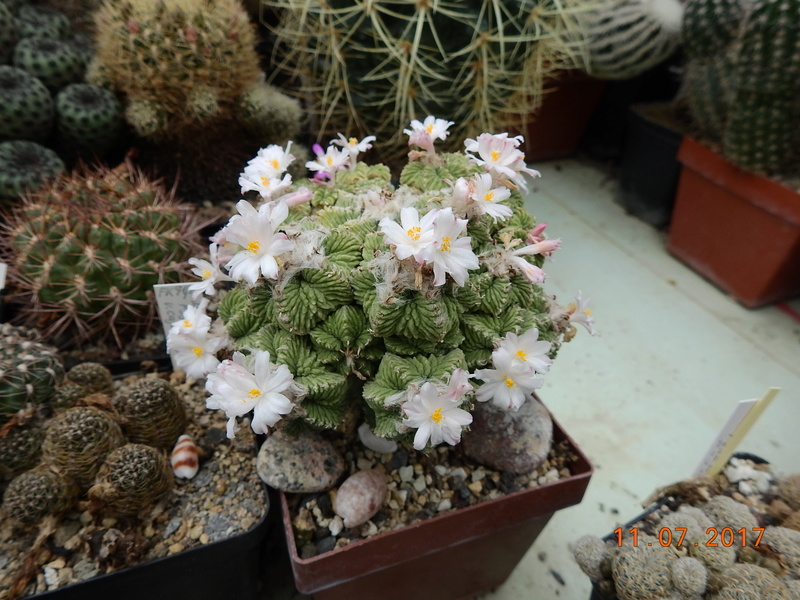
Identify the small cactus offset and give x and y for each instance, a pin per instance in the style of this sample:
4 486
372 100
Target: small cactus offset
88 117
152 413
38 493
56 63
340 307
87 249
20 448
26 166
26 107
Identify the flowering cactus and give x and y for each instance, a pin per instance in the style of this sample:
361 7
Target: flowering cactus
408 297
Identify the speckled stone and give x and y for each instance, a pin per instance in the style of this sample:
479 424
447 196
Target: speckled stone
299 464
516 441
360 497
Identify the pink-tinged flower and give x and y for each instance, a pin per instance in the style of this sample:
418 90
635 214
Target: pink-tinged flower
297 197
208 271
458 386
195 320
330 161
254 232
543 247
500 156
436 417
353 146
413 236
194 353
579 313
264 173
425 133
450 253
509 384
535 234
225 250
528 350
531 272
251 383
487 197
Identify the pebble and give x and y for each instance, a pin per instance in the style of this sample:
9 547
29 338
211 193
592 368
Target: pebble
406 473
420 484
336 526
360 497
299 464
444 505
516 441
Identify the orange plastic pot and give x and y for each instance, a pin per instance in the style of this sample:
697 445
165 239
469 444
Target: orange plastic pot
739 230
459 554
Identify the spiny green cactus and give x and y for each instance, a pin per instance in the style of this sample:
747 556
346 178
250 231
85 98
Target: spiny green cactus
37 493
86 251
733 89
132 478
152 413
26 107
370 68
54 62
88 117
29 371
188 60
8 34
78 440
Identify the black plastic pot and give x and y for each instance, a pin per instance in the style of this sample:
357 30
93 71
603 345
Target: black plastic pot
227 569
649 169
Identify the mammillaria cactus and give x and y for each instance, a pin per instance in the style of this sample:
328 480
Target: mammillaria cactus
56 63
26 107
369 67
88 117
87 249
338 301
26 166
42 22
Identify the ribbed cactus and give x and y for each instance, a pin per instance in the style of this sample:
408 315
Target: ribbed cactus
369 67
626 37
29 371
86 251
735 90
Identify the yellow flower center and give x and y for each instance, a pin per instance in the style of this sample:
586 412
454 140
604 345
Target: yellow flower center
187 323
488 196
414 233
254 246
252 394
206 273
510 382
588 312
446 244
437 415
329 160
495 155
198 351
429 128
352 141
265 181
522 354
275 164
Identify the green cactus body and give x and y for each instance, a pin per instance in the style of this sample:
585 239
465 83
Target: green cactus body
269 113
89 118
26 107
29 371
8 34
77 441
42 22
25 167
371 68
87 250
54 62
152 413
37 493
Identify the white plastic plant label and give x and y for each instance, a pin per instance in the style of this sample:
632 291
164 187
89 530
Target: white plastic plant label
3 271
171 300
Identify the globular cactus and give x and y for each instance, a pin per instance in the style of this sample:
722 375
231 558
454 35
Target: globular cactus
8 34
26 166
38 493
152 413
626 37
42 22
81 381
29 371
78 439
88 118
132 479
56 63
26 107
369 69
736 95
20 448
87 249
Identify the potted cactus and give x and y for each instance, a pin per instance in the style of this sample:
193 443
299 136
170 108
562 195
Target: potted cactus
737 171
396 316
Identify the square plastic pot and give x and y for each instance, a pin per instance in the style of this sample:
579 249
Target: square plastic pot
739 230
459 554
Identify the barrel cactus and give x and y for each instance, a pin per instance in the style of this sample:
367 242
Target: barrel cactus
337 301
371 68
86 250
736 95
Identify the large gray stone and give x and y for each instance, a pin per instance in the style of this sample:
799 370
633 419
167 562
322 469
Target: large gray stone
303 464
507 440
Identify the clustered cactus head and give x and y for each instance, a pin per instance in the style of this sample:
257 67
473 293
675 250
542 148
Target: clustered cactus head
85 251
152 413
20 448
39 492
350 287
736 95
371 68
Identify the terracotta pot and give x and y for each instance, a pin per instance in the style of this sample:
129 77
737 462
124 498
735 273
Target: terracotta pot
739 230
459 554
555 130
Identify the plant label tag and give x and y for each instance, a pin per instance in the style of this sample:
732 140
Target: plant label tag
171 300
3 271
744 416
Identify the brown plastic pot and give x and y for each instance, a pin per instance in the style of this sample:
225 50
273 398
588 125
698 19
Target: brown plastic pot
739 230
459 554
